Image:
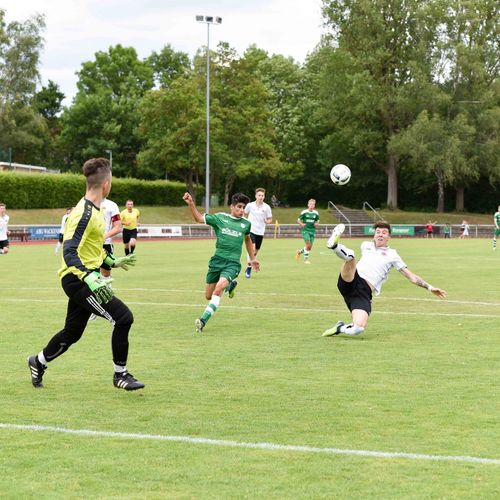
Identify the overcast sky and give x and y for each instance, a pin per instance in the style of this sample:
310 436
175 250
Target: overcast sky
76 29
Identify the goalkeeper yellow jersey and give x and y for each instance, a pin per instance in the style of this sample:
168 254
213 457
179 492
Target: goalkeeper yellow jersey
83 240
130 219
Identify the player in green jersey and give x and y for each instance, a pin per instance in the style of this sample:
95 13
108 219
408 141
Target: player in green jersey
496 220
231 230
308 221
87 292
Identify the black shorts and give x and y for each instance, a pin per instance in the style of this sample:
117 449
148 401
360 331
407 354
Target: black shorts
60 237
4 243
128 234
357 293
257 240
108 248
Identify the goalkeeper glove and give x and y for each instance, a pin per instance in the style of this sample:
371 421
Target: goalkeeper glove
100 287
123 262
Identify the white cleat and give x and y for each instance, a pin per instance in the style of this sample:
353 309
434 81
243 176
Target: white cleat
337 232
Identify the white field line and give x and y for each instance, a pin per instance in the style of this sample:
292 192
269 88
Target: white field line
258 446
284 309
279 294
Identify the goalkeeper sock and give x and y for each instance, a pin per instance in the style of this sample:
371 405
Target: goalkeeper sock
127 251
211 308
41 359
132 249
343 252
352 329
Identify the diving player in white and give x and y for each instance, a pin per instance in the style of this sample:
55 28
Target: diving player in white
357 280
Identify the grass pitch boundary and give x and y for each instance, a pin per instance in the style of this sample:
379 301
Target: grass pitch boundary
258 446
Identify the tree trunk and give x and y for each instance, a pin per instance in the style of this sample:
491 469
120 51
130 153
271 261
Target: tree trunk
392 182
440 203
460 200
230 178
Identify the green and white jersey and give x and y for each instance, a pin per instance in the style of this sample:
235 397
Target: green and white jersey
309 218
496 218
230 232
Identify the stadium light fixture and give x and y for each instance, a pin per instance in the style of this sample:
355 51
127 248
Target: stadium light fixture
208 20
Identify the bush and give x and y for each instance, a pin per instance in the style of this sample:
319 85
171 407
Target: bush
19 190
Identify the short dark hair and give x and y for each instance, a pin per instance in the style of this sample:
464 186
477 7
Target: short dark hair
2 205
96 170
240 198
383 225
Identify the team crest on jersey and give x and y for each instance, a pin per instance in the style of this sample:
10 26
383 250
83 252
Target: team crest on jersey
242 225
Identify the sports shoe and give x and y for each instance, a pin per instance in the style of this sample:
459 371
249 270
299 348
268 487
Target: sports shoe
307 262
231 287
337 232
335 330
37 370
248 271
297 254
199 325
126 381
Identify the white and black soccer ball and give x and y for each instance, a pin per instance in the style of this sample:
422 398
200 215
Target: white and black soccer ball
340 174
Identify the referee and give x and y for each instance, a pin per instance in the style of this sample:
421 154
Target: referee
87 292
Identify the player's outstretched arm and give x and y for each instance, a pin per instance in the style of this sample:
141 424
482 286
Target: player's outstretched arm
194 211
123 262
417 280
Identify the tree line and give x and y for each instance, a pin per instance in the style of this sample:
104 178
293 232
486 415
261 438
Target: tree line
405 92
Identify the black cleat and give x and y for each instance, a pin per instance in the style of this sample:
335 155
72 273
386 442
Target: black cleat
231 288
37 370
126 381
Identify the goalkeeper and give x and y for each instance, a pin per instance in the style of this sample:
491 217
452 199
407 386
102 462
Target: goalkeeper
87 292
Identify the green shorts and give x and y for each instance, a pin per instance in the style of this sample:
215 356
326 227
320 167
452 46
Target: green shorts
222 268
497 232
308 235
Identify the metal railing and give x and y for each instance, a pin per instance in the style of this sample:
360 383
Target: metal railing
374 212
341 216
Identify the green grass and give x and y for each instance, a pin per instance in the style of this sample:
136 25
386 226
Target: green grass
423 378
181 215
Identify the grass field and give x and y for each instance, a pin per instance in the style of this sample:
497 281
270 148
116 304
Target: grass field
422 380
181 215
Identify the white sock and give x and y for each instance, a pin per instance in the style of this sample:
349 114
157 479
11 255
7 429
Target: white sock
120 369
352 329
343 252
42 359
58 246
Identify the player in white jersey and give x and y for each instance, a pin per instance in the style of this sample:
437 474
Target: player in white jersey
259 214
112 227
357 280
4 230
61 229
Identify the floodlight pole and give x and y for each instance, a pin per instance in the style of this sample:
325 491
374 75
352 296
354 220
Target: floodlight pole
110 158
208 20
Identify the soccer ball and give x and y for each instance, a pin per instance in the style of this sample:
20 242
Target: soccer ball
340 174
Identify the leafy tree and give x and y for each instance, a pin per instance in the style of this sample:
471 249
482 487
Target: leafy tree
104 113
168 65
379 75
20 46
437 147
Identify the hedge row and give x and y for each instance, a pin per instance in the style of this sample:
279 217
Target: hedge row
19 190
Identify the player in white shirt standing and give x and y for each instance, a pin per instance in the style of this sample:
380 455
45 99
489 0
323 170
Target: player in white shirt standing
61 229
358 280
4 230
259 214
113 226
